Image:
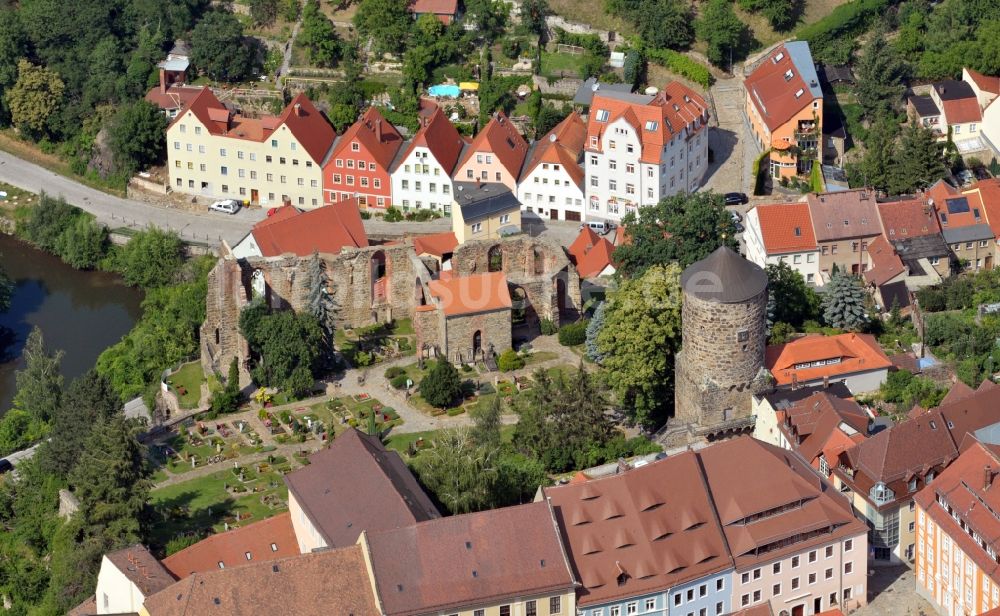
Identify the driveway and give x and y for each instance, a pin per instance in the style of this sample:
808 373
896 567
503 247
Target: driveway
732 147
892 592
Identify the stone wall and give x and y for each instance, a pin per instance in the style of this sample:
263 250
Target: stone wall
722 359
494 328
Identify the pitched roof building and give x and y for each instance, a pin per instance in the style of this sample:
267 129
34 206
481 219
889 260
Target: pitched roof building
445 10
855 359
592 254
844 222
907 217
422 171
328 510
783 233
551 182
484 211
495 155
328 229
358 164
476 560
127 578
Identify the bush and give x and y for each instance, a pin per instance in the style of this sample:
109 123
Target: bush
509 360
512 48
393 214
573 334
548 327
399 381
684 66
180 542
393 372
781 333
442 385
455 411
151 258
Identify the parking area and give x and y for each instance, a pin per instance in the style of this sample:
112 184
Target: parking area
892 592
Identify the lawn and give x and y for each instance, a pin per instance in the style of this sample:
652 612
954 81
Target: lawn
592 14
189 379
401 442
561 64
204 503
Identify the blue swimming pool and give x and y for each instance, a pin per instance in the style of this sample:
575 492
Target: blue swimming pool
444 90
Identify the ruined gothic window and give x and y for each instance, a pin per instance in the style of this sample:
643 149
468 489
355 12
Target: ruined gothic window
257 284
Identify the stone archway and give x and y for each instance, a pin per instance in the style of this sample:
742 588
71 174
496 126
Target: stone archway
477 344
538 260
494 259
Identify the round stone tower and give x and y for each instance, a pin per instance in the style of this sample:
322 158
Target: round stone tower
724 331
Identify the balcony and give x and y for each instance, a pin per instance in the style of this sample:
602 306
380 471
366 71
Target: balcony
880 494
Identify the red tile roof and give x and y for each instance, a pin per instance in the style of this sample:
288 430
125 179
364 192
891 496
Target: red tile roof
437 244
265 540
786 227
812 423
907 218
472 294
962 210
962 110
500 137
328 582
327 489
489 557
327 230
176 96
308 126
365 132
988 192
563 145
669 112
886 264
959 390
436 7
852 353
844 215
772 93
591 253
141 568
985 83
440 136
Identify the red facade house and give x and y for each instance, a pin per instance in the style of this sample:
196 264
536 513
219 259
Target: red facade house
358 165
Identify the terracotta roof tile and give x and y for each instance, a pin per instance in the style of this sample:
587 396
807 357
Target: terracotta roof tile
907 218
478 558
959 391
988 195
365 132
265 540
326 229
773 85
851 352
141 568
844 215
591 253
985 83
786 227
308 126
436 7
500 137
886 264
329 582
563 145
327 489
437 244
440 136
472 294
176 96
963 110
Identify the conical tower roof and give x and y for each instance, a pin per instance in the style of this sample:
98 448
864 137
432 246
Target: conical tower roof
724 277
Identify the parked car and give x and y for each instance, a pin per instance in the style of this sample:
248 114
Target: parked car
737 217
965 177
226 206
5 466
982 173
739 228
599 226
736 198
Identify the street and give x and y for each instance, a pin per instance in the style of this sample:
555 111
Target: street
732 146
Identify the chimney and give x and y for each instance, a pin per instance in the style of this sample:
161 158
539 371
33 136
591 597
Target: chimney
826 382
378 130
622 466
298 109
987 477
163 81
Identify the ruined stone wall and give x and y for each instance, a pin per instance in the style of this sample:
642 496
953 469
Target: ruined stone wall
722 358
459 331
428 325
219 333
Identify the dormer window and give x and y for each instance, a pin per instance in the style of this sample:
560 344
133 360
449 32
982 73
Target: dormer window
355 147
603 115
789 74
799 93
652 125
798 231
881 493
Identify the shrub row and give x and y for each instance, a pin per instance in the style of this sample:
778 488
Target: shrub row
684 66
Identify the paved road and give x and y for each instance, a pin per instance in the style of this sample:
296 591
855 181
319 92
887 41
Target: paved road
118 212
730 141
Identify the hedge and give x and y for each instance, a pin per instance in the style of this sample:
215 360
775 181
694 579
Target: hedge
758 187
573 334
682 65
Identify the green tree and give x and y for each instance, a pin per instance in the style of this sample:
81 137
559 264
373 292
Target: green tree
442 386
794 301
6 292
220 50
489 16
918 160
263 12
13 47
291 9
881 74
726 36
846 303
509 360
83 244
877 167
533 14
88 401
39 385
321 303
634 69
18 430
385 22
641 335
47 221
152 258
594 328
34 98
227 399
459 473
488 418
137 137
666 24
683 228
318 36
286 347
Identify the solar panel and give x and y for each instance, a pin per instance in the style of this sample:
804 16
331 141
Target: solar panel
957 206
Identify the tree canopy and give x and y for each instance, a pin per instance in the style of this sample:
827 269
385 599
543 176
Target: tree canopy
220 49
385 22
286 347
318 36
726 36
846 304
791 300
138 137
442 386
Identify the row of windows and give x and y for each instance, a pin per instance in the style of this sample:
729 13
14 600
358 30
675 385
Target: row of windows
362 165
241 191
530 608
813 556
421 169
746 600
478 226
363 181
222 152
431 187
552 199
970 245
241 155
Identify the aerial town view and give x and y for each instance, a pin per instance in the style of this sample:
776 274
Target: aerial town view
500 307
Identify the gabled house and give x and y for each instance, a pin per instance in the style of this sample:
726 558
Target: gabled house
172 94
844 223
218 154
358 164
495 155
328 510
421 175
592 254
883 473
127 578
784 104
473 314
484 211
551 183
783 233
964 225
328 229
855 359
643 147
960 112
911 226
445 10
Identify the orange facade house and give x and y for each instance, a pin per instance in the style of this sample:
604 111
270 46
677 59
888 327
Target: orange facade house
784 105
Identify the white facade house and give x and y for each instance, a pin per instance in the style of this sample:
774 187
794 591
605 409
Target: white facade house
551 183
642 148
421 177
126 578
783 233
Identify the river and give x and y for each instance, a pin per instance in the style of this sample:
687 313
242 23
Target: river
81 313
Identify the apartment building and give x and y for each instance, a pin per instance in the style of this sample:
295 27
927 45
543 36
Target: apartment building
358 165
783 233
495 155
484 211
551 183
965 226
784 105
857 360
642 148
844 223
421 176
957 562
215 153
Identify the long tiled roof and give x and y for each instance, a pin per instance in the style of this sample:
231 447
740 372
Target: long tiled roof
500 138
786 227
784 83
844 215
563 145
907 218
988 194
266 540
851 353
326 230
985 83
472 294
440 136
366 131
141 568
328 489
480 558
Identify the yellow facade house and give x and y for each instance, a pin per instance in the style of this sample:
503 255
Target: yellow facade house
217 154
484 211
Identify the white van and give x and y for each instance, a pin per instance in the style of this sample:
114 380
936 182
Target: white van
226 206
599 226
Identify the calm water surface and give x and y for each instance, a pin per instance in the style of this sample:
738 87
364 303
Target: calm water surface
81 313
